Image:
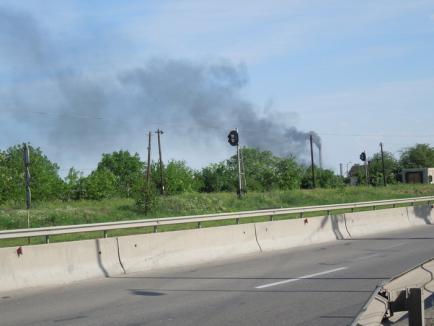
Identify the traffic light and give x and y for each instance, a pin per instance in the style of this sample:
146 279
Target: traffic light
363 156
233 138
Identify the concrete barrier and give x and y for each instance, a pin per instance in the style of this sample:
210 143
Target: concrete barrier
58 263
285 234
181 248
420 215
371 222
61 263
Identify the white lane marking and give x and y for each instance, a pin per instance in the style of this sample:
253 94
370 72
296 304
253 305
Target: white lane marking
366 257
394 246
300 278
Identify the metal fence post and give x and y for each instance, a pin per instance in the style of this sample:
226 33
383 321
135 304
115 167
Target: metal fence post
416 309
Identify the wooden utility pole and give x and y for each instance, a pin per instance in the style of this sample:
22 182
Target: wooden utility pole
383 166
160 132
312 161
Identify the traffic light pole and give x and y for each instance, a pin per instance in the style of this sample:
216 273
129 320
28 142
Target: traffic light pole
159 132
239 169
382 163
366 169
312 161
26 161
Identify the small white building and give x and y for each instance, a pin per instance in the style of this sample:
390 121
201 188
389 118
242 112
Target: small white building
418 175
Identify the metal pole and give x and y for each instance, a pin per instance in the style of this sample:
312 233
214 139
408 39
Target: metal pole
239 169
382 162
416 309
159 132
312 161
148 168
341 167
26 160
366 169
244 171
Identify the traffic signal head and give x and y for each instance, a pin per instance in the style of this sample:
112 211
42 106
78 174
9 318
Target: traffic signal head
363 156
233 138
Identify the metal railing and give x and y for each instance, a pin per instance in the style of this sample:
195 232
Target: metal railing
403 293
156 222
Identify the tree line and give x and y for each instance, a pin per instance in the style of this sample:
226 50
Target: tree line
122 174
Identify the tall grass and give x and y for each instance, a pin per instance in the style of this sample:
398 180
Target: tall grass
13 216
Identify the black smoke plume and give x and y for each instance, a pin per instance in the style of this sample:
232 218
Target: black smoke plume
197 102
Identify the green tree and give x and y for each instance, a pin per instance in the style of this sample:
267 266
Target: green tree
324 178
218 177
74 189
289 174
418 156
260 169
180 178
391 167
45 184
128 170
100 184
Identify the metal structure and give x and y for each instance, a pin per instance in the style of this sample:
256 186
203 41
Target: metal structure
383 166
156 222
403 293
312 161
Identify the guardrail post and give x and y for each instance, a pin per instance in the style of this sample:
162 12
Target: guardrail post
105 234
352 209
301 215
237 221
47 239
374 207
416 309
155 229
394 205
271 217
328 213
199 225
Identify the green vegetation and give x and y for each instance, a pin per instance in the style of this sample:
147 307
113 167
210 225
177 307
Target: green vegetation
117 209
116 190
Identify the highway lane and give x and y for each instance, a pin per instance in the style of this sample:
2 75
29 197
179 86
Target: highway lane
317 285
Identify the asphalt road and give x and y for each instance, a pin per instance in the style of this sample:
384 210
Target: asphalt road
317 285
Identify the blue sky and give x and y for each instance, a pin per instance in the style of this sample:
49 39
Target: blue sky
356 72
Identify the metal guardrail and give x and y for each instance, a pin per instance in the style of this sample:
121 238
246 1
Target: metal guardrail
403 293
156 222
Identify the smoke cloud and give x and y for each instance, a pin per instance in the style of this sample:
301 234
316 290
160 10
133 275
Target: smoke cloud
196 102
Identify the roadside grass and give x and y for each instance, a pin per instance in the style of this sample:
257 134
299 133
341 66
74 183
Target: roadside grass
42 214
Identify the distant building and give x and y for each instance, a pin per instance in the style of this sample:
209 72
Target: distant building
418 175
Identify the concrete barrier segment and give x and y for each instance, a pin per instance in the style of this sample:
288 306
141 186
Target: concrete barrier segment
372 222
57 263
182 248
285 234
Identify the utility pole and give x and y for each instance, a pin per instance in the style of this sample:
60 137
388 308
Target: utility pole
26 161
312 161
382 163
160 132
148 167
341 168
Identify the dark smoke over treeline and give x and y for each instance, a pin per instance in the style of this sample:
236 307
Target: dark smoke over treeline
198 102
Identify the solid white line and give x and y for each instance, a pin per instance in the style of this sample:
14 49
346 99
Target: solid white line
300 278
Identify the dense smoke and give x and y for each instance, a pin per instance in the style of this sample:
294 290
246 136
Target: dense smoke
196 101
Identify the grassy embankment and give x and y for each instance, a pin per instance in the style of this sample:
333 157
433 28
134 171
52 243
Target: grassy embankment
13 216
